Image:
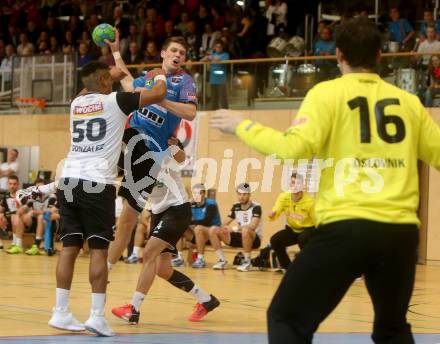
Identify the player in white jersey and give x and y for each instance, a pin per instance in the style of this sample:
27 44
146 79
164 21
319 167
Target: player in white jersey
86 193
171 217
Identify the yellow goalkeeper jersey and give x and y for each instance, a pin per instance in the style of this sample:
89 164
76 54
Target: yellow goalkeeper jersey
367 135
299 214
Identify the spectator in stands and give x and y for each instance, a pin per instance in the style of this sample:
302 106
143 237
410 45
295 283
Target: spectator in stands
247 233
276 14
218 20
158 22
205 214
193 40
2 49
32 32
68 42
218 76
208 39
43 48
85 38
325 46
152 54
8 168
52 27
106 56
13 35
429 45
170 31
24 43
229 43
54 45
6 67
183 24
140 19
434 80
150 33
75 26
133 56
83 54
203 17
134 35
119 22
43 37
400 30
428 20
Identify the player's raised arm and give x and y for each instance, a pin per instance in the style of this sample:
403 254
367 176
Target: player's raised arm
187 111
127 81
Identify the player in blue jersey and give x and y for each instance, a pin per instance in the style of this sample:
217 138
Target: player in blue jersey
147 133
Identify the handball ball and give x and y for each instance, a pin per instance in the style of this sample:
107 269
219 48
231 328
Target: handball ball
101 32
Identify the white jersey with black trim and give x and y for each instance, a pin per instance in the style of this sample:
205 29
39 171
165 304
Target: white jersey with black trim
244 216
97 125
168 190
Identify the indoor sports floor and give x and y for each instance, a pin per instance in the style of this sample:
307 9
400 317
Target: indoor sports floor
27 290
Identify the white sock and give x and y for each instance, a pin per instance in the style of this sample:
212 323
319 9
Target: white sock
14 239
247 256
220 254
199 294
62 299
200 256
179 255
137 300
19 242
98 302
109 266
136 250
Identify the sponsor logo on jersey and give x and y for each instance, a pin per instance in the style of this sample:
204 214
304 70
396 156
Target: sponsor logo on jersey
88 110
176 79
148 82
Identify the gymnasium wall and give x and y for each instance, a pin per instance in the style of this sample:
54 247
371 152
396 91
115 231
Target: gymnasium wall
51 133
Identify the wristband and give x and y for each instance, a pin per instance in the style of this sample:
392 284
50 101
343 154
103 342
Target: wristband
116 55
160 77
174 149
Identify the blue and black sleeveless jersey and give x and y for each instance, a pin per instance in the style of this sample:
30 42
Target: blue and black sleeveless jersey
154 120
206 214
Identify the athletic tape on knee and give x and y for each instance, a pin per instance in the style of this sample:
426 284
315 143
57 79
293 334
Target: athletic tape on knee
181 281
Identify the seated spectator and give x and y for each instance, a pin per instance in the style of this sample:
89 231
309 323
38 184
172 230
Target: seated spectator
119 22
32 32
218 21
52 27
151 54
13 35
140 19
428 20
6 68
8 209
205 214
208 38
133 36
158 22
44 37
434 80
24 43
83 54
203 17
68 43
170 31
193 41
43 48
8 168
218 76
133 56
182 26
106 56
429 45
247 233
400 30
54 45
150 33
325 46
297 206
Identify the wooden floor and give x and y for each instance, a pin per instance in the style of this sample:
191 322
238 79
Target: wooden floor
27 291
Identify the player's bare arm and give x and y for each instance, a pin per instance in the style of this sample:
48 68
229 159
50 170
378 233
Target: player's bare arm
187 111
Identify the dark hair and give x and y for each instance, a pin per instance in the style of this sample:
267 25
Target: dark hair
219 41
359 41
175 39
13 177
39 180
92 67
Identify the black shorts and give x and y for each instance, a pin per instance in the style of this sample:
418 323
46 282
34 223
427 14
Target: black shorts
32 228
132 188
87 214
170 225
237 241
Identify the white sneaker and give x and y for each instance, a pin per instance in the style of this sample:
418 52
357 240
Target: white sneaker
133 259
220 265
199 263
246 266
98 325
64 320
177 262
